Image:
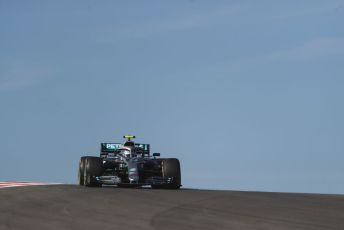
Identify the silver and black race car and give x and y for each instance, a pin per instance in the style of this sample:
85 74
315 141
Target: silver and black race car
129 165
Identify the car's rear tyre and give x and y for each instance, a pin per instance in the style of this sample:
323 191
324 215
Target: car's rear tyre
170 169
93 167
81 171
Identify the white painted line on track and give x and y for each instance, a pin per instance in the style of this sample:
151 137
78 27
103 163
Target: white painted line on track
10 184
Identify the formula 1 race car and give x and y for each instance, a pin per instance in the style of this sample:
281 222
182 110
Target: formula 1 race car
129 165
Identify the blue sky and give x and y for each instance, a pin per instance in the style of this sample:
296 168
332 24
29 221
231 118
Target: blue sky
247 94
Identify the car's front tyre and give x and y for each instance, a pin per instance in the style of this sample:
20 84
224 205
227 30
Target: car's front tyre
170 169
81 171
93 167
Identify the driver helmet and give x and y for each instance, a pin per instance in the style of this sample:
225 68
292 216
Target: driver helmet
126 152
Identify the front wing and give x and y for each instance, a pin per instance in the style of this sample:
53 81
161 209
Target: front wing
154 180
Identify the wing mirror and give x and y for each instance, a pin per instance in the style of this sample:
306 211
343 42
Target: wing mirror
156 154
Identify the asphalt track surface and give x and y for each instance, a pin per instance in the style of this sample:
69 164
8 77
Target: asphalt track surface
75 207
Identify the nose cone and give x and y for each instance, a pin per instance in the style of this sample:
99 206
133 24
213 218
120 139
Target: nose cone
133 175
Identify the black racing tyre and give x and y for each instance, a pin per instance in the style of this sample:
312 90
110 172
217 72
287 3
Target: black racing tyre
81 171
170 168
93 168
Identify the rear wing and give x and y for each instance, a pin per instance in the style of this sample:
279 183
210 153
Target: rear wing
109 147
112 147
145 147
